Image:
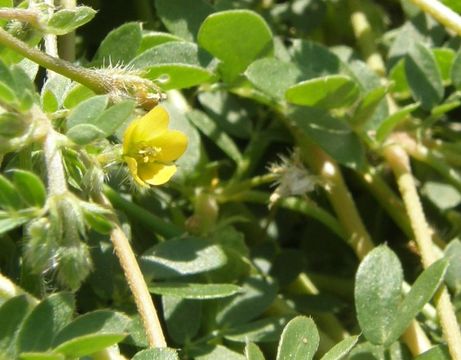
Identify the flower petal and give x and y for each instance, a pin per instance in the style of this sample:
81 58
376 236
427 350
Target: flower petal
133 167
173 144
152 124
156 174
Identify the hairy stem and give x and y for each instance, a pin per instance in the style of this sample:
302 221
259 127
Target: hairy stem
67 41
90 78
31 17
340 197
364 34
146 218
400 164
136 282
443 14
138 287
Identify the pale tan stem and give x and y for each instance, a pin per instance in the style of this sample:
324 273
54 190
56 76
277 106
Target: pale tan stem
67 41
414 336
340 198
399 161
138 287
364 34
443 14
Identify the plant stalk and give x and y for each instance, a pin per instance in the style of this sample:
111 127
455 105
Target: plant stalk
138 287
87 77
399 161
443 14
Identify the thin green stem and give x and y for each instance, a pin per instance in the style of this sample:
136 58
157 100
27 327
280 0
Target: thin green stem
387 199
414 336
399 161
365 36
432 158
442 13
340 198
328 322
147 219
56 176
301 205
29 16
90 78
67 41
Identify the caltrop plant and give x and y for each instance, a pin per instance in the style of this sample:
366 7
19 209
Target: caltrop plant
230 179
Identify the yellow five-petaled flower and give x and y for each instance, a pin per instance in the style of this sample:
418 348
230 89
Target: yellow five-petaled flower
150 148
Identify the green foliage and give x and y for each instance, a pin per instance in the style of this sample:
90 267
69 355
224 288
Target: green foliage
258 247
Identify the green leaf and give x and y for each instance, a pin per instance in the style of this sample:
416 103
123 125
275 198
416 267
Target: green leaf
12 125
442 195
87 111
7 95
314 60
453 5
171 53
453 255
181 256
222 35
220 352
183 318
83 134
252 352
41 356
388 124
367 106
110 53
273 76
49 101
264 330
400 88
299 340
421 292
174 65
456 71
183 17
333 135
423 76
12 314
254 298
88 344
30 186
96 322
341 349
114 117
76 95
156 354
45 321
194 291
67 20
177 76
229 112
151 39
9 196
12 222
207 126
53 92
328 92
378 286
444 58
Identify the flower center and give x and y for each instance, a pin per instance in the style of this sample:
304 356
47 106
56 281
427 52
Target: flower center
148 154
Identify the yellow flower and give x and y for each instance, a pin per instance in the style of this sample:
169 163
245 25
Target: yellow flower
149 148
